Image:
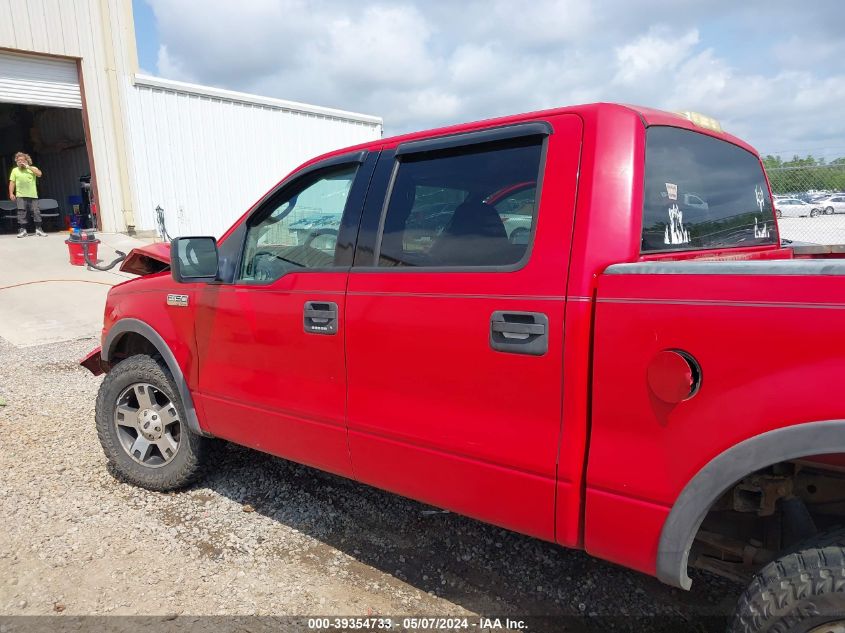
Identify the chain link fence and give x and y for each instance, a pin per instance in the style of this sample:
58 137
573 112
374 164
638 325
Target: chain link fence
810 202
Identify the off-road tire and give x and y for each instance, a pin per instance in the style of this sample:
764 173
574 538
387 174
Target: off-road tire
187 462
797 593
830 537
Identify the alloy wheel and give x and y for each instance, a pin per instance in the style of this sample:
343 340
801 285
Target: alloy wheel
147 424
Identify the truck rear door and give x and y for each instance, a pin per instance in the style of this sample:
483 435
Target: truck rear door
455 313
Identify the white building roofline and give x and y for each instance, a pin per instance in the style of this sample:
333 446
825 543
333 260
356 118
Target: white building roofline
243 97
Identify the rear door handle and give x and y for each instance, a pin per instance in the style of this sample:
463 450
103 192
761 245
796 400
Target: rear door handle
319 317
519 332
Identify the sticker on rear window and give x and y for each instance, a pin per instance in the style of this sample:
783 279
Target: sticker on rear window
758 191
761 232
672 192
675 231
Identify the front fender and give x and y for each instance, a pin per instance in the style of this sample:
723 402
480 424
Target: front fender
130 325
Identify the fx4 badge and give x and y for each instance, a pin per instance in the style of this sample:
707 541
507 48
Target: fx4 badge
177 300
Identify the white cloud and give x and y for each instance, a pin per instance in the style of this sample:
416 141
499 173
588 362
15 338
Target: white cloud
385 45
540 23
172 68
653 54
422 64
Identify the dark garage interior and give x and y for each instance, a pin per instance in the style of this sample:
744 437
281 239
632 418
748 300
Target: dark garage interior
55 139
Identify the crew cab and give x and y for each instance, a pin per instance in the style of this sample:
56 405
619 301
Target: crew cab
525 321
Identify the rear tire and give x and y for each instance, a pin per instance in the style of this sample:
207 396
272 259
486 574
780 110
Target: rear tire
834 536
142 427
803 592
778 214
828 211
814 213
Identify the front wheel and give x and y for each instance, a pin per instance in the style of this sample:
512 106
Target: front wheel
802 592
141 426
778 214
814 213
828 211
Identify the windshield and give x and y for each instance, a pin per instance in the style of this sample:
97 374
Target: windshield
703 193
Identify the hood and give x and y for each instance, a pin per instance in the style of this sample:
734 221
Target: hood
146 260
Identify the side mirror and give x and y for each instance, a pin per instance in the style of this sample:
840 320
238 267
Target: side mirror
193 259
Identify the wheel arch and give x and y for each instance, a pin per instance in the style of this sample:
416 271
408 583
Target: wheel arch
725 470
130 326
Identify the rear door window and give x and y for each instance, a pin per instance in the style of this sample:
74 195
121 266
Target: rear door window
703 193
472 206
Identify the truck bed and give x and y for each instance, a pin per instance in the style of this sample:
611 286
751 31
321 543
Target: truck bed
768 336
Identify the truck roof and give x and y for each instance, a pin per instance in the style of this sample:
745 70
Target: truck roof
648 116
592 112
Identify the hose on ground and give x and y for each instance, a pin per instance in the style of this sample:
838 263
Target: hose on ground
120 257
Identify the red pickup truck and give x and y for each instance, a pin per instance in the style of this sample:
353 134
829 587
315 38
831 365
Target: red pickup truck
579 324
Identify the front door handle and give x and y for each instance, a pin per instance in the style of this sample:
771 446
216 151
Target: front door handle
519 332
320 317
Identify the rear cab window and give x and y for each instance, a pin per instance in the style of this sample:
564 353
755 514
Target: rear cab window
703 193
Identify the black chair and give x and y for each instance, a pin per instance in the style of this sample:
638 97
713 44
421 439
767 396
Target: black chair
9 212
49 210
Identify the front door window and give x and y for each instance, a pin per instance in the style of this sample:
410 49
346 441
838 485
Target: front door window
299 229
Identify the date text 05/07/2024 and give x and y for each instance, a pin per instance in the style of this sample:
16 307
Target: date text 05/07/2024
414 623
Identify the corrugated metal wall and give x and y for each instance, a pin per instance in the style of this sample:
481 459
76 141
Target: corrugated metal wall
206 155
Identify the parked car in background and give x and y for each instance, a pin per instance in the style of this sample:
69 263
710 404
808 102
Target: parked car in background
694 201
795 208
515 206
832 204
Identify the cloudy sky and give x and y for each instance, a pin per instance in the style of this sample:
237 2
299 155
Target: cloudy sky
772 72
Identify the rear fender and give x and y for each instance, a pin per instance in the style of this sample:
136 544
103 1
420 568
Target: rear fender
722 472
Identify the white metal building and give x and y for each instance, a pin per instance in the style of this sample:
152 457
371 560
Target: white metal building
190 145
71 95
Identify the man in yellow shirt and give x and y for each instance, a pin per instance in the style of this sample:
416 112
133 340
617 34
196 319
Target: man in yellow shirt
23 191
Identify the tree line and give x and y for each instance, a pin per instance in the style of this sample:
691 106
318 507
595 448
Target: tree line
805 174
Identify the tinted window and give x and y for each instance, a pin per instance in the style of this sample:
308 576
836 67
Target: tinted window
298 229
732 205
473 206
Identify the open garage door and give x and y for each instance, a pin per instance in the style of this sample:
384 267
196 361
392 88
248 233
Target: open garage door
44 81
41 114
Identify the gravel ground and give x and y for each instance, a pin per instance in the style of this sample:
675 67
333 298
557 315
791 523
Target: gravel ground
260 535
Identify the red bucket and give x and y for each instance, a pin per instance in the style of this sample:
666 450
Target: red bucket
77 256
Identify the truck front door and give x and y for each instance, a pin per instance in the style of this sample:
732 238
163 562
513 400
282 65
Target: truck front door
455 313
270 345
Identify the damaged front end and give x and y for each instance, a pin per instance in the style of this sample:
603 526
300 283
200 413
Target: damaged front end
94 363
147 260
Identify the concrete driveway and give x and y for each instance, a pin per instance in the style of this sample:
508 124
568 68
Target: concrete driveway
43 298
